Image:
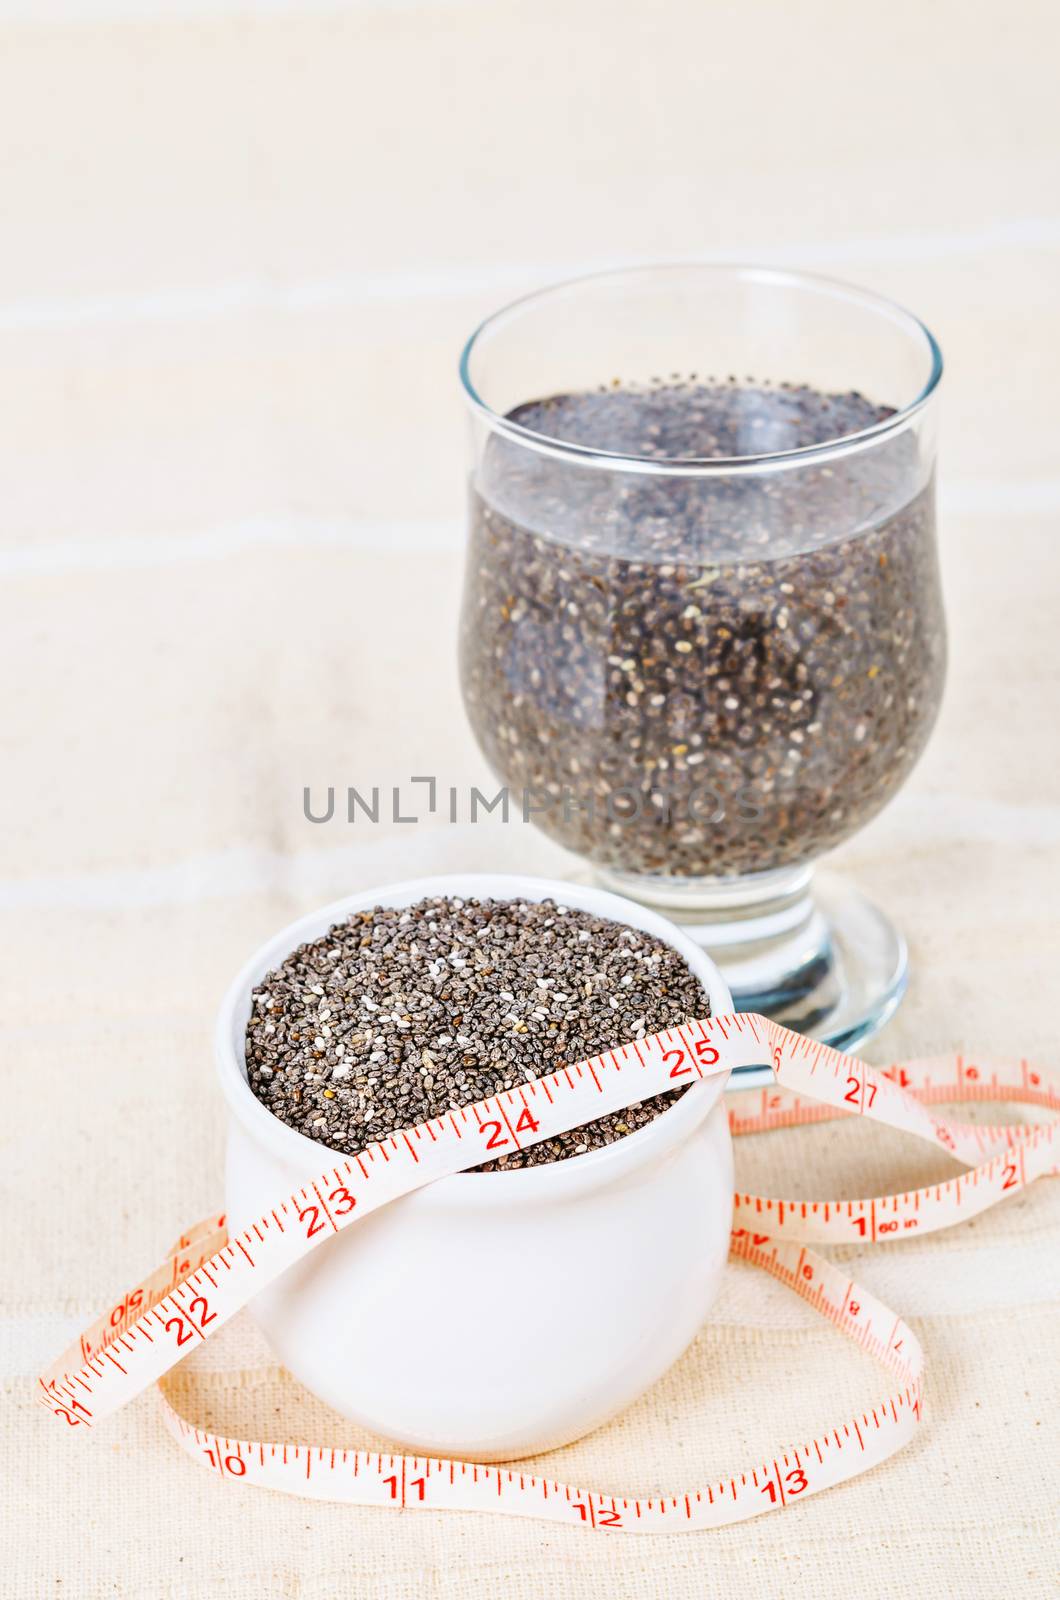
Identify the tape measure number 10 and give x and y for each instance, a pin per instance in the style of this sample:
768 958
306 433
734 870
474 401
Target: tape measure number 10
209 1276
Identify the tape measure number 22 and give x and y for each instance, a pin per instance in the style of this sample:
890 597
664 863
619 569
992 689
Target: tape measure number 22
208 1276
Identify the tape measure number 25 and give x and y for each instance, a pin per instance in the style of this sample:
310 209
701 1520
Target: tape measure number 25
209 1276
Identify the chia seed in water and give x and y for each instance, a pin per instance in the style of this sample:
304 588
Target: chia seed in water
399 1015
702 675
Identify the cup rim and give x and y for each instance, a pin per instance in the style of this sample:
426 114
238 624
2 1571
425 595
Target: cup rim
699 466
545 1182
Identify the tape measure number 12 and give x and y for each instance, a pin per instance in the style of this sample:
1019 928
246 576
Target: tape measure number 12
209 1276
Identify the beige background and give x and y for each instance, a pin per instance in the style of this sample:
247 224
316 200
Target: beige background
241 246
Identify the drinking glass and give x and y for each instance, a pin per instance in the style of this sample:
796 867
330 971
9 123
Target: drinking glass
702 638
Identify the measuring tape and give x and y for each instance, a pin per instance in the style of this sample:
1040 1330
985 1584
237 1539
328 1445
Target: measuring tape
208 1276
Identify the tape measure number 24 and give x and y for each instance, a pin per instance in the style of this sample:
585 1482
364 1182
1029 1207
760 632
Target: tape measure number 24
208 1276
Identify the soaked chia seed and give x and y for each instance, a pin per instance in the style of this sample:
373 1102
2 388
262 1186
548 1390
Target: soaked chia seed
702 676
398 1016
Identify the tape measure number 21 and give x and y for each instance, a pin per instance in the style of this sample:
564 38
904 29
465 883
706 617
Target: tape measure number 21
208 1276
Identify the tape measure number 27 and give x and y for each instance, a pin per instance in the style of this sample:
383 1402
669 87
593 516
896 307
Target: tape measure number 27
209 1276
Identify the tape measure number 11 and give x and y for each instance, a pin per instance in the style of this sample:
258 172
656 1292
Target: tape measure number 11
209 1276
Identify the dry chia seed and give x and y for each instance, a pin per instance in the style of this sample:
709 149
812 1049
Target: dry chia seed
398 1016
721 674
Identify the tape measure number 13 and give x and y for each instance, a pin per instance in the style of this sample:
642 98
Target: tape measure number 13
209 1276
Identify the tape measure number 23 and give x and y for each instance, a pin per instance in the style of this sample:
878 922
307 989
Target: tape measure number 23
209 1276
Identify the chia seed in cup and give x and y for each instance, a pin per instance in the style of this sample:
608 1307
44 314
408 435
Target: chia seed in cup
700 676
400 1015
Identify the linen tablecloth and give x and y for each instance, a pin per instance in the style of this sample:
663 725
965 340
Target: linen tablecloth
242 246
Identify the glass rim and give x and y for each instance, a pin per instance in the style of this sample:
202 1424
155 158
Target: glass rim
706 466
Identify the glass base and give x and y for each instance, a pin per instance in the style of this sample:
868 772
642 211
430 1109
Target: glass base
802 947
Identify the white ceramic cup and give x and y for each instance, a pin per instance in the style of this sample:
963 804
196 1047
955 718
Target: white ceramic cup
492 1314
